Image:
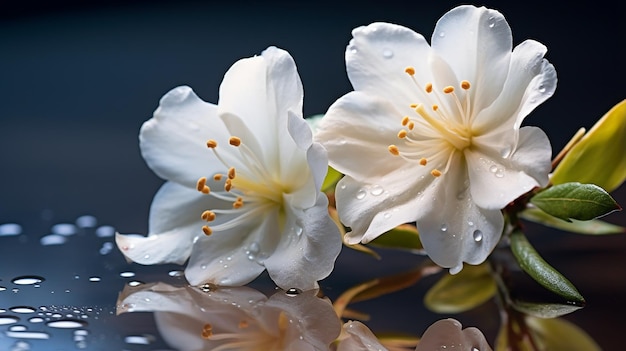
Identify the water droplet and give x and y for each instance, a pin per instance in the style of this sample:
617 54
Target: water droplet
298 230
506 152
27 280
105 231
360 195
499 173
53 239
541 89
342 187
22 309
254 247
94 279
67 324
492 22
127 274
387 54
376 190
135 283
86 221
16 290
206 287
478 235
493 169
28 335
293 292
387 215
444 227
63 229
106 248
2 288
353 50
145 339
4 320
36 320
18 328
10 229
470 223
442 34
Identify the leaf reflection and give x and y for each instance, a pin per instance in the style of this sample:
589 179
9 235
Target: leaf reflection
241 318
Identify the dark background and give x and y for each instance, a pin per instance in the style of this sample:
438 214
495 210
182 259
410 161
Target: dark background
77 80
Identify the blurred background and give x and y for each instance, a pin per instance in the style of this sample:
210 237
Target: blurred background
77 80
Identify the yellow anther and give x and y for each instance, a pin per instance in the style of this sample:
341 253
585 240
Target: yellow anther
429 87
228 185
207 231
243 324
206 334
413 105
465 84
449 89
394 150
435 173
206 190
234 141
231 173
411 125
402 134
211 143
423 161
410 70
201 184
238 203
207 326
405 120
217 177
208 216
435 107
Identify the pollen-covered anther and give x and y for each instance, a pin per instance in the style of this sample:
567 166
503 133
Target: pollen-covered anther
423 161
234 141
231 173
201 185
410 70
429 88
405 120
217 177
393 150
436 173
411 125
207 331
208 216
238 203
413 105
211 144
435 107
465 85
402 134
228 185
448 90
207 230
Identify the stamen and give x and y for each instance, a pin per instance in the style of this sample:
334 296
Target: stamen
238 203
423 161
465 85
207 231
394 150
435 107
405 120
413 105
429 87
228 185
435 173
231 173
411 125
206 190
207 331
211 144
217 177
243 324
402 134
208 216
449 89
234 141
410 70
201 184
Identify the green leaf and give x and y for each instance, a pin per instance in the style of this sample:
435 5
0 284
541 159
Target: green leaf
403 237
332 177
593 227
461 292
575 201
531 262
599 157
559 334
544 310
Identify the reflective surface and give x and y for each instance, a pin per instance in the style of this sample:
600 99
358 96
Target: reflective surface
77 82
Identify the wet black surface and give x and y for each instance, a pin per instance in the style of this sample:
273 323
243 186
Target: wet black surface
77 81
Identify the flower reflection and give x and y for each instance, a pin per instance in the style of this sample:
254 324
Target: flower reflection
241 318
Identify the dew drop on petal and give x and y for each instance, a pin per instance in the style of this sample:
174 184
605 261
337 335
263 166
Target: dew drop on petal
387 215
470 223
442 34
353 50
493 169
360 195
387 54
541 88
444 227
376 190
499 173
293 292
342 186
478 235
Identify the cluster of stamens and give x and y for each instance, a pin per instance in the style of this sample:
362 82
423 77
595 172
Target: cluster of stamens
453 131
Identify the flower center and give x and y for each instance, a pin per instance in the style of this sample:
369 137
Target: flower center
247 182
437 130
250 337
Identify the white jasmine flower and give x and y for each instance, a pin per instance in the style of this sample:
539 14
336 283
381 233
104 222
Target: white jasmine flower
244 177
432 134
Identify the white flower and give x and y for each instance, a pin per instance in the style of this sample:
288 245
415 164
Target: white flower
432 133
244 172
447 334
240 318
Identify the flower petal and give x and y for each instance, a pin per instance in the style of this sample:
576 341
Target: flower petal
361 124
447 333
496 181
173 246
453 229
359 338
173 142
476 43
377 57
308 248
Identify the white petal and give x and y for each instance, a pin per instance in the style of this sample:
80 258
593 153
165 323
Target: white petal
453 229
234 257
173 142
531 80
359 338
496 181
308 248
477 43
377 57
361 124
447 333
